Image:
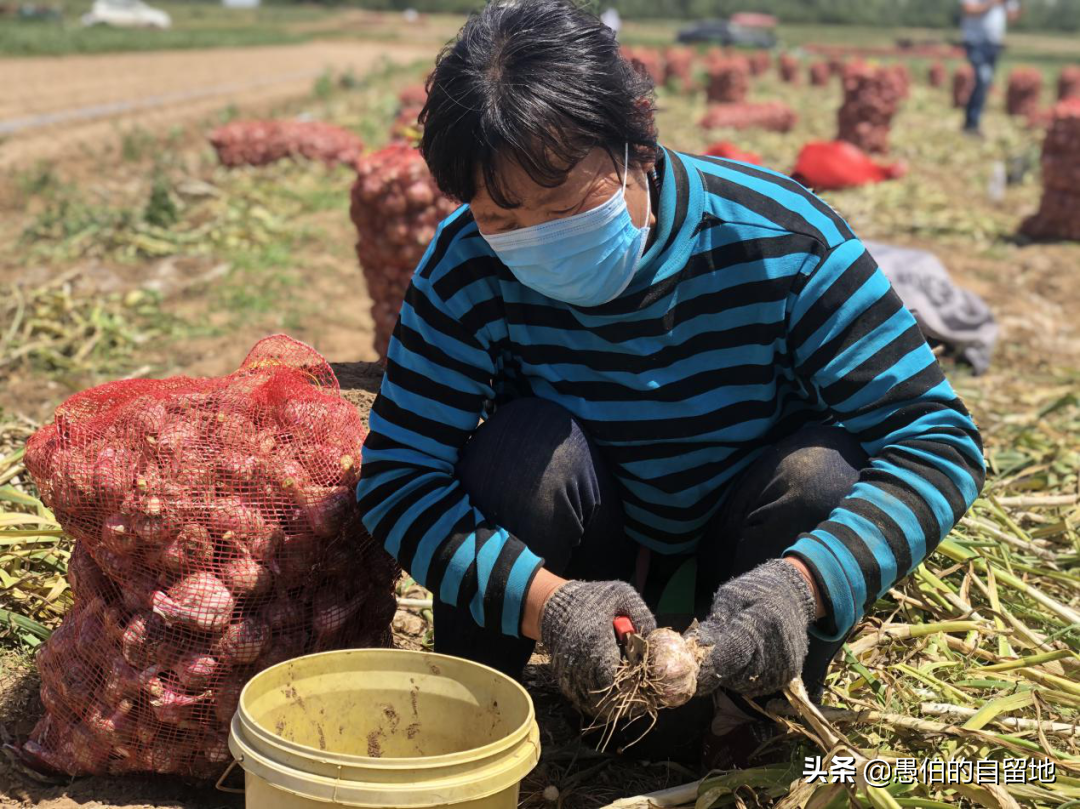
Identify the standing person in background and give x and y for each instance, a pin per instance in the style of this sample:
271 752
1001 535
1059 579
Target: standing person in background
983 26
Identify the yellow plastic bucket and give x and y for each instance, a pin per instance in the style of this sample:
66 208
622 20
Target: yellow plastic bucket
383 728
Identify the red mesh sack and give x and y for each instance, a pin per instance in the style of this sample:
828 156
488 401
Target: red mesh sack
820 73
789 69
829 165
1069 83
647 61
760 62
1023 91
411 103
773 116
396 208
936 75
679 69
1059 210
729 80
963 85
730 151
872 96
258 143
216 533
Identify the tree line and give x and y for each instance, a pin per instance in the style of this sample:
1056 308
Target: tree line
1040 15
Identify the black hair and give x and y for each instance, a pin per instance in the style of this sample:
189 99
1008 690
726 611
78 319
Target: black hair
539 82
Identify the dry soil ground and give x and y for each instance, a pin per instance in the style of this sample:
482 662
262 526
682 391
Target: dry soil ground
54 107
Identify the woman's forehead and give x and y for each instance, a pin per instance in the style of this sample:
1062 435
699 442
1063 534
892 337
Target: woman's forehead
514 178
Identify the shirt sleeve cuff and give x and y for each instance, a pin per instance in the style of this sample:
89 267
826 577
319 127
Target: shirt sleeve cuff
834 587
518 583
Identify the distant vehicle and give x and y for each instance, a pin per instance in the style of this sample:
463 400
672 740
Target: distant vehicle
727 33
126 14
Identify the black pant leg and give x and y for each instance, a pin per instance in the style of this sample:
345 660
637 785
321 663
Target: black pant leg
531 469
789 490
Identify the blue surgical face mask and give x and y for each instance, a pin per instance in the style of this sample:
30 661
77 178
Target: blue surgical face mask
586 259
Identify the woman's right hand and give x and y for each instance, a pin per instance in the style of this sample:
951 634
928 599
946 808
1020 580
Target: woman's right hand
576 626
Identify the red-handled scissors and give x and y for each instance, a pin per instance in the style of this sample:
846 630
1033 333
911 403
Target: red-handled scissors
633 645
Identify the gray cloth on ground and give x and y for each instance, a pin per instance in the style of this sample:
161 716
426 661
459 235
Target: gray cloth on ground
956 317
756 632
577 627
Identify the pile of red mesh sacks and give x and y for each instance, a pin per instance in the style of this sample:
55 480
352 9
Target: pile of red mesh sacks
1069 83
830 165
647 60
216 534
760 62
872 96
411 102
396 208
774 116
937 75
820 73
1023 91
258 143
679 69
730 151
789 69
963 85
729 80
1059 212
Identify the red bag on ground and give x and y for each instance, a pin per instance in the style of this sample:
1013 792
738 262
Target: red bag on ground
829 165
730 151
216 533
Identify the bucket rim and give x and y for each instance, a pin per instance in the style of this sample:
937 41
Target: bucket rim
444 792
252 728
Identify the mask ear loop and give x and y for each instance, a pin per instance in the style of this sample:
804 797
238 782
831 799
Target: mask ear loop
625 166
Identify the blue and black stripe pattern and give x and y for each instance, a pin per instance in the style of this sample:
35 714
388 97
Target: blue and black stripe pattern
755 311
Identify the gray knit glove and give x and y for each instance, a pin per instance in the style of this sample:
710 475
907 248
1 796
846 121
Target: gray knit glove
757 631
577 629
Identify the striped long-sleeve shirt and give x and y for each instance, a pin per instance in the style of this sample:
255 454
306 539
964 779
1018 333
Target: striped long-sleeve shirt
754 312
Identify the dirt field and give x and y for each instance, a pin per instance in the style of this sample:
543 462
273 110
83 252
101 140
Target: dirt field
56 106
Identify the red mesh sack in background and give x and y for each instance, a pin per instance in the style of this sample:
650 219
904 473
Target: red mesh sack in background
760 62
830 165
729 80
679 69
789 69
820 73
730 151
1069 83
963 85
936 75
646 60
216 533
872 96
258 143
396 208
1023 91
1059 210
411 103
773 116
838 65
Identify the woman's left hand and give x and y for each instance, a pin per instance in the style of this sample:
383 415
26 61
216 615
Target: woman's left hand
755 636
